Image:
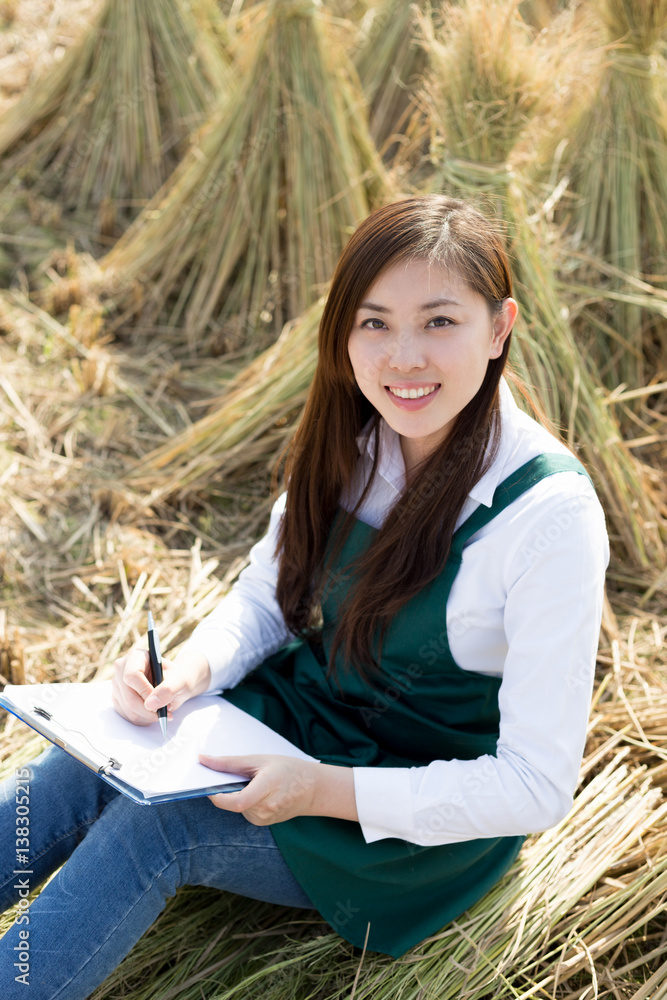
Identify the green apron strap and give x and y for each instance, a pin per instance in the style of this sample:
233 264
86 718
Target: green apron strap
511 489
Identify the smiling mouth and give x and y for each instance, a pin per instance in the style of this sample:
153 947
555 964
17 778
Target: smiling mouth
413 393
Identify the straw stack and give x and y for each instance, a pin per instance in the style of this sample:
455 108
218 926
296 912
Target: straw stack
104 128
247 231
390 62
615 159
479 114
247 430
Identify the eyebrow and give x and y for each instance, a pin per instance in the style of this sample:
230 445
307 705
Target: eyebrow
427 305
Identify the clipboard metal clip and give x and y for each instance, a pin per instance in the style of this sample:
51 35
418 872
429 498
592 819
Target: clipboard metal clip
100 766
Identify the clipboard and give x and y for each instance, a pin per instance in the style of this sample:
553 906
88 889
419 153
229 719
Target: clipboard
81 720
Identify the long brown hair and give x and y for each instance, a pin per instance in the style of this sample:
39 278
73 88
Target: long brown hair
411 547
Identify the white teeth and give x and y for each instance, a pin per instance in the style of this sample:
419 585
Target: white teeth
412 393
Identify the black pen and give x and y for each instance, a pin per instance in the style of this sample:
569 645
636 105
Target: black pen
156 667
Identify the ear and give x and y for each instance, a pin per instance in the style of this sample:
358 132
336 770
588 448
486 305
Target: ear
503 322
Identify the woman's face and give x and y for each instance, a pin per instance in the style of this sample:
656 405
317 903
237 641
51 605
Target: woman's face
422 332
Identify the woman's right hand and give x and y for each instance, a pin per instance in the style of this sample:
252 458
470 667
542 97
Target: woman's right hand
134 696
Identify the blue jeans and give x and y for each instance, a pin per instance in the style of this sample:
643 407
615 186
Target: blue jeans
123 861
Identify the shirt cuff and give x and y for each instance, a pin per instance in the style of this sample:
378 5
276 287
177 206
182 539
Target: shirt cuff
382 795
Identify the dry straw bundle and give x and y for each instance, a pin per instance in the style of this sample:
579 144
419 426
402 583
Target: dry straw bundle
479 114
105 127
612 147
248 229
390 61
247 430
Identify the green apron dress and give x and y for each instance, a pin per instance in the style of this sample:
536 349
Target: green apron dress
422 708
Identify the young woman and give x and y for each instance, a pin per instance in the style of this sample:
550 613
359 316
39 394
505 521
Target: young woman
422 617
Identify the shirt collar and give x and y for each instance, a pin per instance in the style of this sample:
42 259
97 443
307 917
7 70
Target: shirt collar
391 465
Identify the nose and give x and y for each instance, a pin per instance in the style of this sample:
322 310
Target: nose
405 352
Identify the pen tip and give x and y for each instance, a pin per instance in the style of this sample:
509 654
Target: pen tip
150 620
163 727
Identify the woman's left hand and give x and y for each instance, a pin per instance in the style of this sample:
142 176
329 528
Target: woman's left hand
282 787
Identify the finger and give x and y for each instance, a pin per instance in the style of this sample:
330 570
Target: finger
131 707
135 659
233 765
229 801
138 716
160 696
174 690
130 678
135 676
131 686
245 799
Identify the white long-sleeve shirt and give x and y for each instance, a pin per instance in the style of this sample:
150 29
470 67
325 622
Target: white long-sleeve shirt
525 606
